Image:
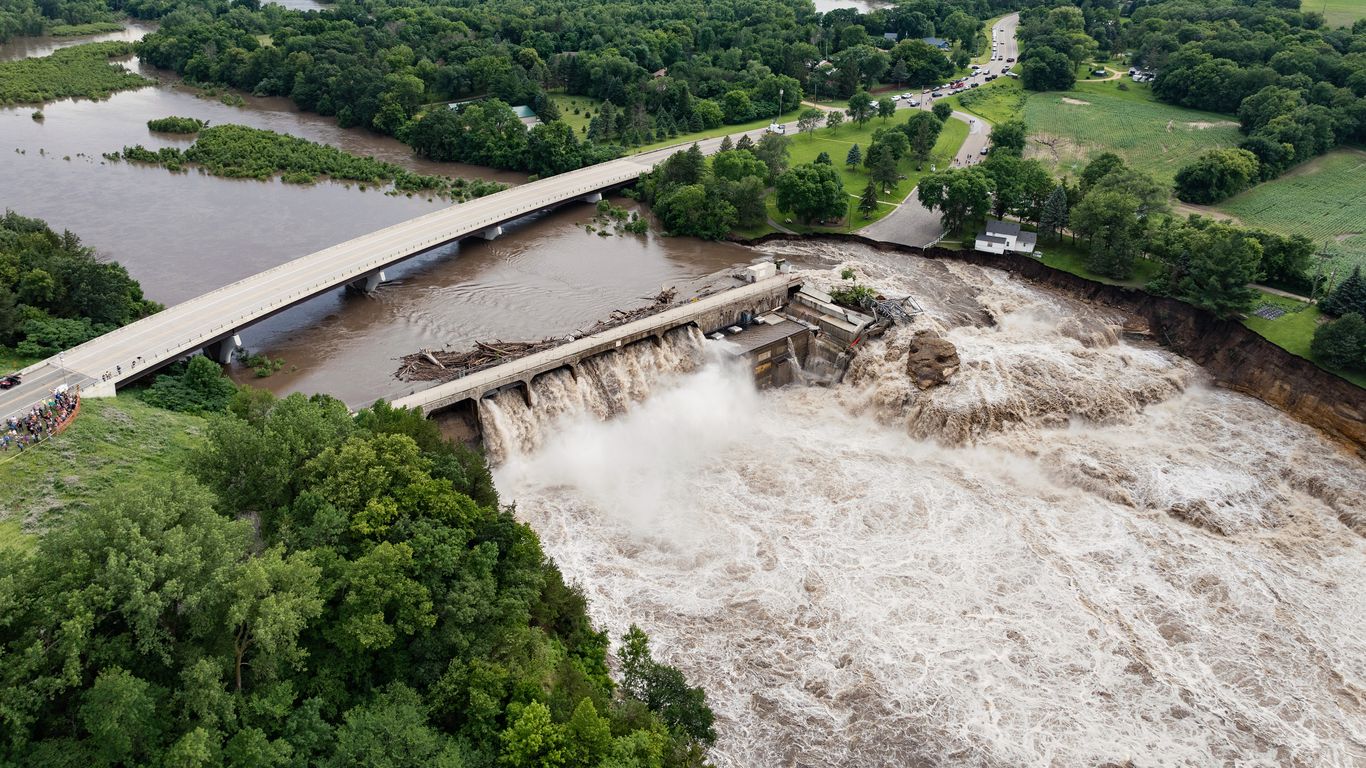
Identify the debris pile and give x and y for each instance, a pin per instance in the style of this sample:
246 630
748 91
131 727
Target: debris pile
445 365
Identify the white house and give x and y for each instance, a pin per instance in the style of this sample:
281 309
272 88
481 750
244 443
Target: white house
1002 236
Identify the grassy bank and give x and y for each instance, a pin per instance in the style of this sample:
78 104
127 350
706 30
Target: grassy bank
1338 13
81 71
77 30
586 106
111 441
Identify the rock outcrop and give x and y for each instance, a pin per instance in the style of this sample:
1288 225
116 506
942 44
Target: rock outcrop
931 360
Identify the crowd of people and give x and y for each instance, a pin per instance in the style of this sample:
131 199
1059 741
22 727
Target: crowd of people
42 420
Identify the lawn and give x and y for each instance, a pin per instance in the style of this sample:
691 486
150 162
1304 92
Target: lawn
805 149
1294 330
586 106
1323 199
725 130
996 102
1067 129
112 441
1338 13
11 361
985 55
1071 257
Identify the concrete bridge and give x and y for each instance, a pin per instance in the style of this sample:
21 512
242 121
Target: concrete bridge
211 323
708 314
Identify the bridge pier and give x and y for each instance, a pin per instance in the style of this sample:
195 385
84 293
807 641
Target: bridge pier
592 197
369 283
492 233
222 351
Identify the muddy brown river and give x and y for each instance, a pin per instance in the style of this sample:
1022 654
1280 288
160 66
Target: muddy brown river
184 234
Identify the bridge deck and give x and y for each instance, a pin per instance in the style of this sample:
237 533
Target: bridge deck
480 383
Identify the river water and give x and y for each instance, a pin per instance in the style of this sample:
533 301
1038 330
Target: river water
1075 554
181 235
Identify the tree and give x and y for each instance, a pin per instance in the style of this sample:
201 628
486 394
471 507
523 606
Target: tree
1099 167
1048 70
812 192
1214 270
726 144
833 119
922 129
854 158
883 169
552 148
736 106
1009 137
587 737
1053 217
1216 175
773 150
1341 343
745 142
824 159
533 740
1021 186
886 107
390 731
1108 219
688 209
1348 297
861 107
736 164
942 110
808 120
960 195
867 203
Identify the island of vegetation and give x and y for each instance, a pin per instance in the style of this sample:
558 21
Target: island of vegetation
242 152
81 71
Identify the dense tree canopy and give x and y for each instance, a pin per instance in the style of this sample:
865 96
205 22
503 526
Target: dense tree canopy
55 293
327 589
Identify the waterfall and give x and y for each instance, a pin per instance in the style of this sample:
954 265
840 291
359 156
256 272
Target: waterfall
603 386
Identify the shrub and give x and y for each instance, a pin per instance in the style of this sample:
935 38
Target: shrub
175 125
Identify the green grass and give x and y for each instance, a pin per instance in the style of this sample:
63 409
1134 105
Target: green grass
75 30
805 149
11 361
112 441
586 105
1000 100
1338 13
1294 331
1323 199
1153 137
1068 257
711 133
81 71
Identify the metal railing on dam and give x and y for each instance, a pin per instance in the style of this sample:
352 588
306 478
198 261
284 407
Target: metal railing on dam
708 314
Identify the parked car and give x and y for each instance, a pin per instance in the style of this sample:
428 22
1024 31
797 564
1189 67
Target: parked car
974 85
1011 59
1099 72
777 128
11 380
937 94
985 150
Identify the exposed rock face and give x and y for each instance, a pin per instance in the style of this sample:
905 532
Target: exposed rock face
931 360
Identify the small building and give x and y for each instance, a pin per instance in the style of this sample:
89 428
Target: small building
891 36
1003 236
658 73
937 42
774 346
527 115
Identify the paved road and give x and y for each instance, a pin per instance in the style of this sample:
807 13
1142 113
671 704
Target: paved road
128 352
911 223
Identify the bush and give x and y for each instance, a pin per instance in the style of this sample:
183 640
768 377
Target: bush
1341 343
200 387
175 125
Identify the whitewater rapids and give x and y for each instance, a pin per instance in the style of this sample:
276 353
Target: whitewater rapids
1075 553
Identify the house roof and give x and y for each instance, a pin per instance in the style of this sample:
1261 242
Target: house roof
893 36
523 111
1003 228
994 240
937 42
1027 238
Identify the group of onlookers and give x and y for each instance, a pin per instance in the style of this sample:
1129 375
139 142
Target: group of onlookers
42 420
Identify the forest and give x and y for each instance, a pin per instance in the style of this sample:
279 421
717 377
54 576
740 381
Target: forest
56 293
312 587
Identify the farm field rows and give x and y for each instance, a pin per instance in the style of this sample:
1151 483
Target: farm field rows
1324 200
1067 129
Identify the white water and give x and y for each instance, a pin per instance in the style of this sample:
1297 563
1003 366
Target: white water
1075 553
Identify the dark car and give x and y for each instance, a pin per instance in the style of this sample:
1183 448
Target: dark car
11 380
974 85
937 94
1010 60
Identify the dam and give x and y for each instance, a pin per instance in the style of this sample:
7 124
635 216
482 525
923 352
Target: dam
775 323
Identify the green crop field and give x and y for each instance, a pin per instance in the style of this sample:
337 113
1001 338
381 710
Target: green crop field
1067 129
1338 13
1324 199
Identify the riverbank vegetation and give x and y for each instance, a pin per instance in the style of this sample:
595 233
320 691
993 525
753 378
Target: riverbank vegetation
313 588
79 30
175 125
80 71
241 152
56 293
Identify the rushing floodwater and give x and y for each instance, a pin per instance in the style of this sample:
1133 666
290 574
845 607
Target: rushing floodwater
976 575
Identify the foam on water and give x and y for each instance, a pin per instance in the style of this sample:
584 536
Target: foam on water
1074 553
